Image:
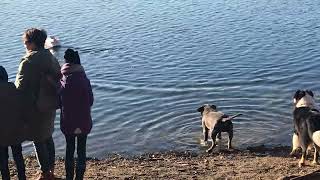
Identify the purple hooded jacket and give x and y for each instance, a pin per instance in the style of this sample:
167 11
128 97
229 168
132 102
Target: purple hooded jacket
76 100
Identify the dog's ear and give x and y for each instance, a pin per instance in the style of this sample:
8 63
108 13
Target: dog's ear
310 93
213 106
296 94
200 109
299 94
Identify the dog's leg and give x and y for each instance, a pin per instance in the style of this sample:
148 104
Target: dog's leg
316 140
205 134
303 157
205 131
230 139
219 136
218 140
304 146
316 155
295 144
309 149
213 137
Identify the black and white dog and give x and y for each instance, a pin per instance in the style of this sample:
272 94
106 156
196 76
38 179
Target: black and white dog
306 119
302 99
214 122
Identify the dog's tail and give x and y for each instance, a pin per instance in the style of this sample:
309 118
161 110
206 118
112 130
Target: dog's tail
231 117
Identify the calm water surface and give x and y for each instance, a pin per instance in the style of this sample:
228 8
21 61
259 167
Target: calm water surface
152 63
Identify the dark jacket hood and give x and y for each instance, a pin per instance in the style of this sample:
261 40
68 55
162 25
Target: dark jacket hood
69 68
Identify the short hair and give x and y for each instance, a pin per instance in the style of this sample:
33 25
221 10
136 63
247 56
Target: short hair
36 36
3 74
72 56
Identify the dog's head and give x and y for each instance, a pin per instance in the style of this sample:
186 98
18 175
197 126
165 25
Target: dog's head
304 98
207 108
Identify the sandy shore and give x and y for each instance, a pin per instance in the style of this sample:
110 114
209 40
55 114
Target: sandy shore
252 163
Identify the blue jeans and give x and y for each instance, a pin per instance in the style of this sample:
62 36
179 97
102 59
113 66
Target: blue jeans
18 159
45 153
81 160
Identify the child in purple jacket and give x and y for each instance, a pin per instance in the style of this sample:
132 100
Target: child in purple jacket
75 120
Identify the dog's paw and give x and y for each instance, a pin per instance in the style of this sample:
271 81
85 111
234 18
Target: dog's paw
314 163
203 143
209 150
293 153
301 164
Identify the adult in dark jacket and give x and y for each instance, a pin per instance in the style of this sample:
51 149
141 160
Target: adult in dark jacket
37 77
75 120
12 129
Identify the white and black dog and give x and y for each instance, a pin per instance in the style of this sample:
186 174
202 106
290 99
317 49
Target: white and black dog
302 98
306 119
214 122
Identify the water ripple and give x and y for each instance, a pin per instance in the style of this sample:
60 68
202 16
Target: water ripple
153 63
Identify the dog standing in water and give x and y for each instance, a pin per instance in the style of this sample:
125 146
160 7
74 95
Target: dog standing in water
302 99
214 122
306 121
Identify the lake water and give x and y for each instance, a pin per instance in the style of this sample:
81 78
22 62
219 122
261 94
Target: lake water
152 63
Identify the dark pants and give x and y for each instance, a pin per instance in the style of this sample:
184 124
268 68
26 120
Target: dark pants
81 160
18 159
45 153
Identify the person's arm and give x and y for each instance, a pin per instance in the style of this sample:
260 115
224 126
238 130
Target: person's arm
91 98
56 70
54 75
23 77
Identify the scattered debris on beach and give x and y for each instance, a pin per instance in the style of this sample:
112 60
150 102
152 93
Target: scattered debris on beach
258 162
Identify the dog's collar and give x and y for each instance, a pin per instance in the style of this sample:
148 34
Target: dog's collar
313 109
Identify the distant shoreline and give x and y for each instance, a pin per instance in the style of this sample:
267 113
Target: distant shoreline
257 162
